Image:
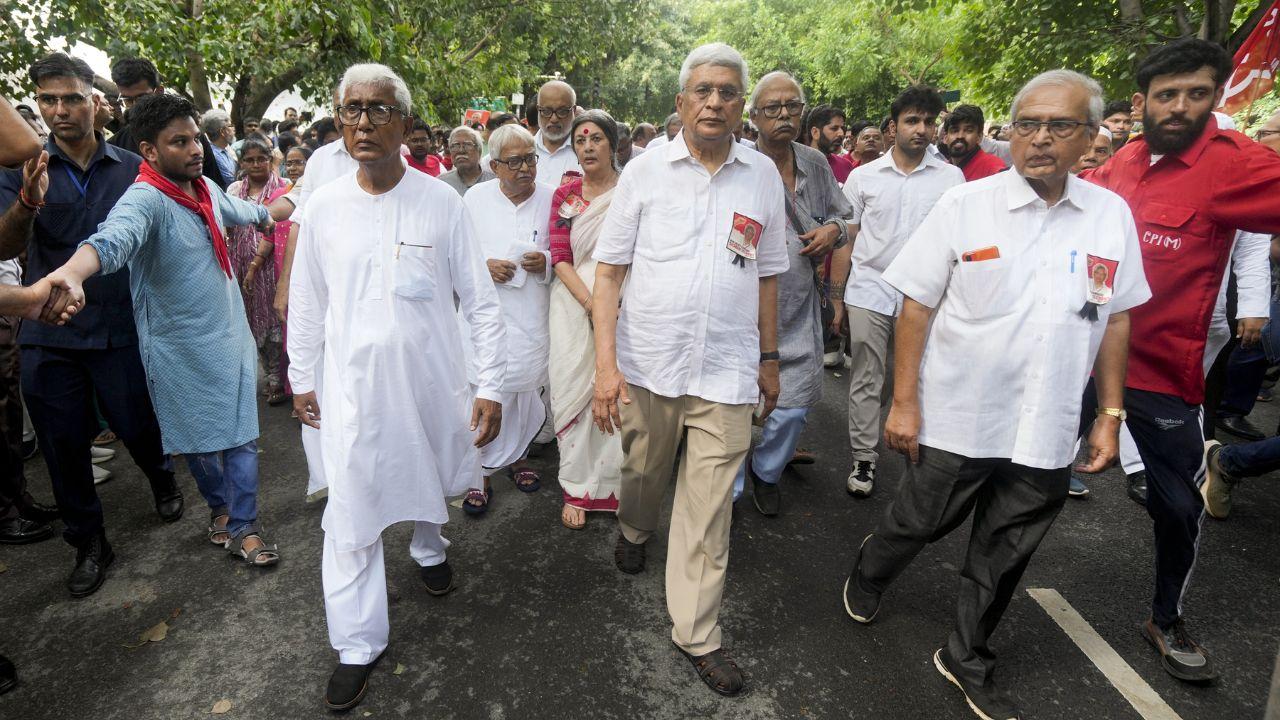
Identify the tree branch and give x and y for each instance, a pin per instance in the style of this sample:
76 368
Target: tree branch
198 78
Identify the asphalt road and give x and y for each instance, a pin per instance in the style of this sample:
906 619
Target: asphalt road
544 626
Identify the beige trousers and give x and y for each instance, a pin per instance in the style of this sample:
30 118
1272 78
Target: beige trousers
716 443
870 378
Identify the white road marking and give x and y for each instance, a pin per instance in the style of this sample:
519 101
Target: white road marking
1134 689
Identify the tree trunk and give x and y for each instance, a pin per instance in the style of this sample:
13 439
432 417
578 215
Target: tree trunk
252 98
195 60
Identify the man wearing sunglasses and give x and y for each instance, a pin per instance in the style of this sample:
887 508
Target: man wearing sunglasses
556 108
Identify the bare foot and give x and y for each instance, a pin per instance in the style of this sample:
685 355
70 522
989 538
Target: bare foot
574 518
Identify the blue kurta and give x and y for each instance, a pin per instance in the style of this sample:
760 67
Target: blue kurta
192 333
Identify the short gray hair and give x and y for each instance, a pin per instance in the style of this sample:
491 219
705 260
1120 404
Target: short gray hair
573 94
770 77
375 74
213 121
507 135
716 54
1062 77
471 134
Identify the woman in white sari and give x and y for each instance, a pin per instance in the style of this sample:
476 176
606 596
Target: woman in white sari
590 460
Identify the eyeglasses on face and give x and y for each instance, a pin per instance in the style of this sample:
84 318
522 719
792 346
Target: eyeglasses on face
295 163
515 163
1061 129
1264 134
727 93
378 114
70 100
462 146
773 110
560 112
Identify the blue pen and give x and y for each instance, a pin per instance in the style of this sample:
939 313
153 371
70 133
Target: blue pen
1073 261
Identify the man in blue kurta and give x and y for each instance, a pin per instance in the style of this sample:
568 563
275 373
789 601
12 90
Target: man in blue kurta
192 332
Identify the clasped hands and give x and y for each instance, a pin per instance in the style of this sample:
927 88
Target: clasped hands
53 299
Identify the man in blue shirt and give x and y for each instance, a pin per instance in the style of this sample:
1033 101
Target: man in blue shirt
50 206
216 125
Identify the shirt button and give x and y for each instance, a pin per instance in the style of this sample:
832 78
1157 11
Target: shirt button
1044 300
1039 338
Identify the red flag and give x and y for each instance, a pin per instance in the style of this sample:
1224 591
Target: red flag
1256 63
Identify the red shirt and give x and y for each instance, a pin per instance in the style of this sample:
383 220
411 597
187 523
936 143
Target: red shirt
981 164
430 165
1187 208
840 166
446 161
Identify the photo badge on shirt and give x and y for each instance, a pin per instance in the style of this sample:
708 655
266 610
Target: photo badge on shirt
1101 283
744 236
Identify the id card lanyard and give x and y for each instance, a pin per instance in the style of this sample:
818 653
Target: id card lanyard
81 187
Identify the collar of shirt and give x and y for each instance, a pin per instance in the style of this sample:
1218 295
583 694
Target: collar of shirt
565 146
1019 192
887 162
677 150
105 152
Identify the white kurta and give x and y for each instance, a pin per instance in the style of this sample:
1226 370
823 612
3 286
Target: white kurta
372 296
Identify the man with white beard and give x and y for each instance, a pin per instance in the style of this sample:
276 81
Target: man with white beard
556 103
382 256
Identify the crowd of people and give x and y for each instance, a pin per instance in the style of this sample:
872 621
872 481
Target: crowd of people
436 301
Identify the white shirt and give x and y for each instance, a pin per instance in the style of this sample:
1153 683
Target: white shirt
326 164
553 165
1007 354
372 298
888 205
689 318
504 231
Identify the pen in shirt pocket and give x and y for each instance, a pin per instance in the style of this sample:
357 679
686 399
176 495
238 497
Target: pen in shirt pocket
1073 261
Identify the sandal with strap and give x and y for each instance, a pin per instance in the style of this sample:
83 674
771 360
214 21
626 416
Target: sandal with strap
262 556
214 531
565 515
476 502
718 671
526 480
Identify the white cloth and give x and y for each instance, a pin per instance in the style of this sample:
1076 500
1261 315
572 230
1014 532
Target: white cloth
1008 355
553 165
10 272
522 416
372 295
505 231
999 148
689 318
355 591
888 205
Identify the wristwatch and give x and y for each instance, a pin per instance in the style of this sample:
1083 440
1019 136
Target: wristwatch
772 355
1117 413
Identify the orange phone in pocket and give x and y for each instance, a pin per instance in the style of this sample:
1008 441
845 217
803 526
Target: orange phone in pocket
991 252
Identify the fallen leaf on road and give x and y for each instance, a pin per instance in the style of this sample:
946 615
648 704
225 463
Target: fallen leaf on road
176 612
155 633
221 707
399 670
3 567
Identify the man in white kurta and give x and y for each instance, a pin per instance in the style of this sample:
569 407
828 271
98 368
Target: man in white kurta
373 298
505 230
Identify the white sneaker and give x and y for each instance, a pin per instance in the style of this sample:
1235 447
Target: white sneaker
101 454
100 475
831 359
862 479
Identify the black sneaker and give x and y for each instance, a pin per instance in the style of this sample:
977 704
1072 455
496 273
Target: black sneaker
767 497
437 578
862 479
987 701
861 604
628 556
1137 487
347 685
1181 656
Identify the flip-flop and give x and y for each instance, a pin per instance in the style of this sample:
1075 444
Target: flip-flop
569 525
526 480
477 508
106 437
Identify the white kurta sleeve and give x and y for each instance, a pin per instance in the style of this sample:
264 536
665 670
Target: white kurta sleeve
922 269
617 242
1131 288
1251 263
771 253
478 301
853 194
308 304
543 245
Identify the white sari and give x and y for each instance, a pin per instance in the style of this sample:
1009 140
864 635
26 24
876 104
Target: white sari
590 460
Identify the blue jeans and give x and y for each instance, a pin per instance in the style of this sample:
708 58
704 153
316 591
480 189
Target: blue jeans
1251 459
228 480
777 446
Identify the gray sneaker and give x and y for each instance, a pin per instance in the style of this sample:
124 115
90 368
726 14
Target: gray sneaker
1181 656
862 478
1217 486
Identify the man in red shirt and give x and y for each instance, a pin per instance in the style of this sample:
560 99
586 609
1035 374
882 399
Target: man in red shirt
962 132
421 144
824 132
1190 186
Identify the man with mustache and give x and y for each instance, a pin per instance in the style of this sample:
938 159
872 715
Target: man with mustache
825 133
962 132
1118 118
556 103
1190 185
891 197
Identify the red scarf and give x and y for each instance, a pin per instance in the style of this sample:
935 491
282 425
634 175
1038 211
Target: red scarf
202 206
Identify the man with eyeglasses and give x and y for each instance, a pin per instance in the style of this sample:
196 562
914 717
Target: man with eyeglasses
136 78
698 229
1191 185
816 223
995 343
464 150
556 102
52 205
1269 133
385 251
891 197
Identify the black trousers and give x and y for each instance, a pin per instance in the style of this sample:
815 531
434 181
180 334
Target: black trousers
1170 439
13 483
60 386
1013 508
